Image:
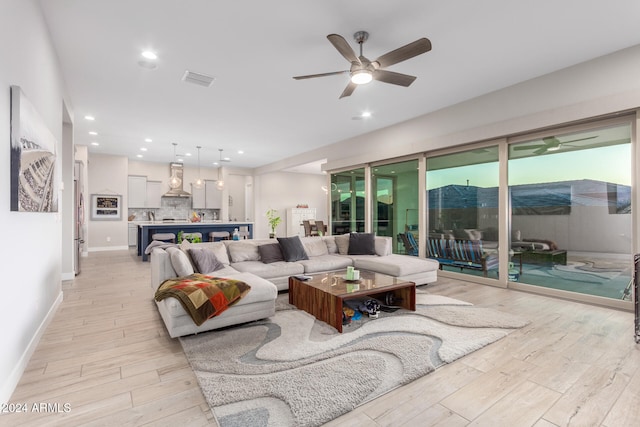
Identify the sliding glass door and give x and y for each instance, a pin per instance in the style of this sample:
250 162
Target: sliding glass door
347 201
570 198
462 211
395 209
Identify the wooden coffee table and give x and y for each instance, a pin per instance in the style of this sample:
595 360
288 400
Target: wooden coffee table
324 294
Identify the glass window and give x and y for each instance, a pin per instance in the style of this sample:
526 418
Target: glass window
347 201
462 211
570 211
395 210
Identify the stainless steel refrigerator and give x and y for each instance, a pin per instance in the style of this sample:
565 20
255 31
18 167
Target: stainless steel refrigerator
78 238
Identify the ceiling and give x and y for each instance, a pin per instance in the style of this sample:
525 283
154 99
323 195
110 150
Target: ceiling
253 48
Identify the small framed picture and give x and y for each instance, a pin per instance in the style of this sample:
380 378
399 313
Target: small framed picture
106 207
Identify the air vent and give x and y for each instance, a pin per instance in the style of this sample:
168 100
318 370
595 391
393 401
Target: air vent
197 78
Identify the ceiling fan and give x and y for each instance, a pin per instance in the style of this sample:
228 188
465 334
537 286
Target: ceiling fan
550 143
363 70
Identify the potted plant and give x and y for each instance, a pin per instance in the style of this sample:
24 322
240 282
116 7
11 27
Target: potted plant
274 220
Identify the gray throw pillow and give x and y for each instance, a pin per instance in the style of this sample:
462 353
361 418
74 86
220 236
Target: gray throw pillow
292 248
205 260
270 252
362 244
342 243
180 262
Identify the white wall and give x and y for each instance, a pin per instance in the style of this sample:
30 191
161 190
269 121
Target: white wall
282 190
601 86
107 175
32 275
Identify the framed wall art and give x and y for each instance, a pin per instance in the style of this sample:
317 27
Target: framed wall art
34 180
105 207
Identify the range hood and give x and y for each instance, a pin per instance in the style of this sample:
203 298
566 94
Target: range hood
177 189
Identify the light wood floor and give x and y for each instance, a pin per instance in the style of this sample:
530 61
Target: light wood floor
108 356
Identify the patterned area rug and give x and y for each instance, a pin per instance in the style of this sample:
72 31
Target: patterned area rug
292 370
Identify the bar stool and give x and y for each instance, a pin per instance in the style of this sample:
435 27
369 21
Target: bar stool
220 235
164 237
190 236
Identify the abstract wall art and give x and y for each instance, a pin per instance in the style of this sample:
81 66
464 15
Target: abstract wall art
34 184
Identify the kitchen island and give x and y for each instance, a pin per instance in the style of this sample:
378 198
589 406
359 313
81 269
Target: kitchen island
148 228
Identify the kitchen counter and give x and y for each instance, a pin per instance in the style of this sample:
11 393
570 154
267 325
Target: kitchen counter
148 228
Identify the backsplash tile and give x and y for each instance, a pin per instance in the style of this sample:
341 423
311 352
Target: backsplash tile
173 207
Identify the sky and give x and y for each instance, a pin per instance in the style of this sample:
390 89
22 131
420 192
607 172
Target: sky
609 164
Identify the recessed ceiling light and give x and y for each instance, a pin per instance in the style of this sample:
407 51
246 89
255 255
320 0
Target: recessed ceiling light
91 118
139 155
240 152
366 114
181 160
228 159
148 140
93 133
149 55
215 163
95 143
187 154
143 149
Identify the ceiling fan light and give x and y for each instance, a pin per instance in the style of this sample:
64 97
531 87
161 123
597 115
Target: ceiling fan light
361 77
554 148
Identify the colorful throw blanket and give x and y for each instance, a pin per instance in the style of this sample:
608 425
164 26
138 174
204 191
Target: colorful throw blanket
203 296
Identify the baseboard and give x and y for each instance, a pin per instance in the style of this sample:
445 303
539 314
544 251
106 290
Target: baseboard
108 248
68 276
12 382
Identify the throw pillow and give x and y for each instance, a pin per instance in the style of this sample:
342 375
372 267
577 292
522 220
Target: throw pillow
180 262
362 244
218 248
205 260
292 248
241 251
270 252
315 246
330 241
342 242
184 247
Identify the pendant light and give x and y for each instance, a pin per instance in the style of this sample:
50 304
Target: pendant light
174 180
220 182
199 183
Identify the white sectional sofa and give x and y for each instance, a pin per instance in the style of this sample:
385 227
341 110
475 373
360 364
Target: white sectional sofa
242 260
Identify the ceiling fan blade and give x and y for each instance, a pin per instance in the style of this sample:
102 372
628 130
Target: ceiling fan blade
541 150
312 76
343 47
529 147
580 139
405 52
393 78
348 90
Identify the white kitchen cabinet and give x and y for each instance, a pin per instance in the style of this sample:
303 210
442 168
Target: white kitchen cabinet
154 194
133 234
198 196
213 196
295 216
137 191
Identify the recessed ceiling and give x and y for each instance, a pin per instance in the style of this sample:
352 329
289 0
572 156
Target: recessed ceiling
253 49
